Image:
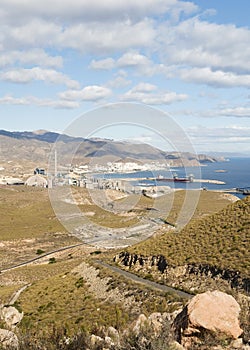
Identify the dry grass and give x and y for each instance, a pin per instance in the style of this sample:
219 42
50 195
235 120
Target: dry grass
28 224
222 240
101 216
59 298
26 213
209 202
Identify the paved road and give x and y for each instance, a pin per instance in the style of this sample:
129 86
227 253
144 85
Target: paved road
145 282
40 257
129 275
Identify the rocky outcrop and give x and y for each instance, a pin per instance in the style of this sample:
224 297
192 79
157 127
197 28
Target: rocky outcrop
183 330
187 276
136 260
8 339
11 316
215 312
154 322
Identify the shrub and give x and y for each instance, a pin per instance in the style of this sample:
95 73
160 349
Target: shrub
52 260
40 251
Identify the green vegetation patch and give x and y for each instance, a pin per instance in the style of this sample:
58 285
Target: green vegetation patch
65 301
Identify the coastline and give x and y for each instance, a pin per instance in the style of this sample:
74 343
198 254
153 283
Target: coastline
213 181
216 182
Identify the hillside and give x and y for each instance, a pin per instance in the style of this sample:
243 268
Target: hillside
221 239
68 291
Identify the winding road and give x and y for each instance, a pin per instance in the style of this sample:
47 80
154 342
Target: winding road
126 274
145 282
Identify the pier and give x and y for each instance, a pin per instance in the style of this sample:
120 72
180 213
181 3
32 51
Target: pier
244 191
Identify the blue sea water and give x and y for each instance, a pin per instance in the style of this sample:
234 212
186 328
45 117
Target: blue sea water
236 174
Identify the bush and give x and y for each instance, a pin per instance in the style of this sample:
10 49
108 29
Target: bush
52 260
40 251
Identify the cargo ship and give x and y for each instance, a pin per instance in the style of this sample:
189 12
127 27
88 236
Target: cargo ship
175 178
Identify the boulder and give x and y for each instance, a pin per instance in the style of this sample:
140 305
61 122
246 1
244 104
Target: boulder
8 339
211 311
11 316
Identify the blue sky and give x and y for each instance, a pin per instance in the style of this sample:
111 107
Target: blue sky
191 59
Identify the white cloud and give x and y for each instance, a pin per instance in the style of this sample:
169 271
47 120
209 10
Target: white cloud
141 139
91 37
10 100
31 100
215 78
34 56
31 34
144 87
231 134
89 93
95 10
106 64
88 26
230 112
238 112
25 76
140 64
133 59
108 37
197 43
148 94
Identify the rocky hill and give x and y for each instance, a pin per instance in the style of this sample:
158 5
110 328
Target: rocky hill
36 146
207 253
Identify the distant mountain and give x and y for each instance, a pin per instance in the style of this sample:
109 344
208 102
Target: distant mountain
36 147
39 135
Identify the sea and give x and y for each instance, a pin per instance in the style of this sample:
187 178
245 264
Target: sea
234 172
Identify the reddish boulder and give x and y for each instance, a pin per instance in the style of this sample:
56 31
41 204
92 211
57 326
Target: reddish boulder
211 311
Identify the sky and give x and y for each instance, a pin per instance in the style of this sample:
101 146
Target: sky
61 59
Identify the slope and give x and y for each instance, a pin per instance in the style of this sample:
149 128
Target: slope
222 240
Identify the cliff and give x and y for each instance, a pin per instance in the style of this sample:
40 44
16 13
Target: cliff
191 277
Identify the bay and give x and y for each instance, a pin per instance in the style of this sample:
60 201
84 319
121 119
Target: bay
235 173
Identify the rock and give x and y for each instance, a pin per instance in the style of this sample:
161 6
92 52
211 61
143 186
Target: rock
109 342
140 323
211 311
156 320
237 344
96 340
11 316
114 335
8 339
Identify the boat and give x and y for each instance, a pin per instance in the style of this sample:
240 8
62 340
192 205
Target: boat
175 178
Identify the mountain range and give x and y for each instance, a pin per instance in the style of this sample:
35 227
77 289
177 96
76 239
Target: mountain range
35 147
